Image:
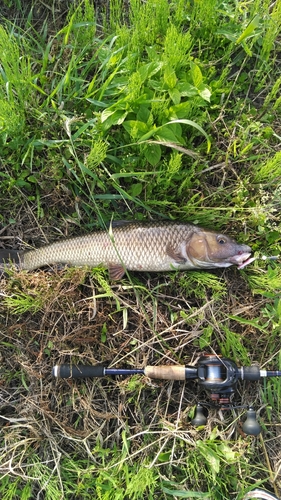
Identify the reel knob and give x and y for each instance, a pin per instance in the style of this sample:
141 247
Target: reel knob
251 425
199 417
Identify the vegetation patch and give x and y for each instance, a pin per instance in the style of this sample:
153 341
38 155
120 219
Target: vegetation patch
139 111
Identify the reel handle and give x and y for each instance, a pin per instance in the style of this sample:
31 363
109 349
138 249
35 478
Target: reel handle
251 425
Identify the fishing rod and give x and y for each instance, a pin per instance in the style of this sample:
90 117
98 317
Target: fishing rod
217 375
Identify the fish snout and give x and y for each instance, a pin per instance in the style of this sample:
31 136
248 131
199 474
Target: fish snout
241 256
244 249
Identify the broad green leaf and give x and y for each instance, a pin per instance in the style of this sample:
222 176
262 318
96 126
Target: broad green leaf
143 113
32 178
213 460
149 134
176 128
180 110
136 189
186 89
196 74
153 153
148 70
135 128
204 92
106 114
211 457
229 455
164 457
191 123
250 29
166 134
115 118
175 95
170 77
198 127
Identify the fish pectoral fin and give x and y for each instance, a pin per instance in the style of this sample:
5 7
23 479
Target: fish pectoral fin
116 271
176 255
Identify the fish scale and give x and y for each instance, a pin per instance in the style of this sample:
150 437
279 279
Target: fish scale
136 246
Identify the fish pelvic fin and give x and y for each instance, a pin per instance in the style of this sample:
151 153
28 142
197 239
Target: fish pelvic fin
116 271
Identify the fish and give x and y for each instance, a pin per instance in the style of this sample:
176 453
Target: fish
137 246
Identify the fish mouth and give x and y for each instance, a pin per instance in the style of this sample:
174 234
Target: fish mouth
242 260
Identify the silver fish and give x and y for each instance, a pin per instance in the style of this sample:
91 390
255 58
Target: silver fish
135 246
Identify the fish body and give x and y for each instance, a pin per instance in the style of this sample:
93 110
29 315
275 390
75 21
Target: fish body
135 246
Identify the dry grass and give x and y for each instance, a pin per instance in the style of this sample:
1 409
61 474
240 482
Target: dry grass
133 327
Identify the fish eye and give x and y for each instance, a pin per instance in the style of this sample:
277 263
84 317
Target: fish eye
221 240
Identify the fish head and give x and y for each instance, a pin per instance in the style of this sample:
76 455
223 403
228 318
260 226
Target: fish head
208 249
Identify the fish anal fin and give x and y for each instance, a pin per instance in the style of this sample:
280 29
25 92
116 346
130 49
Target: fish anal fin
176 255
116 271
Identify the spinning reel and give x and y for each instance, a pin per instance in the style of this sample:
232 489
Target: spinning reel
217 375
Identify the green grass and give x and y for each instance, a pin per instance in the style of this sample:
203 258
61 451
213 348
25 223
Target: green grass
141 110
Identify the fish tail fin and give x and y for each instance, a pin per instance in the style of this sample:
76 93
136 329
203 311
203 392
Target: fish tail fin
8 257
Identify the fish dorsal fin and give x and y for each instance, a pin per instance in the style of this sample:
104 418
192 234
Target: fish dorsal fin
116 271
118 223
176 255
